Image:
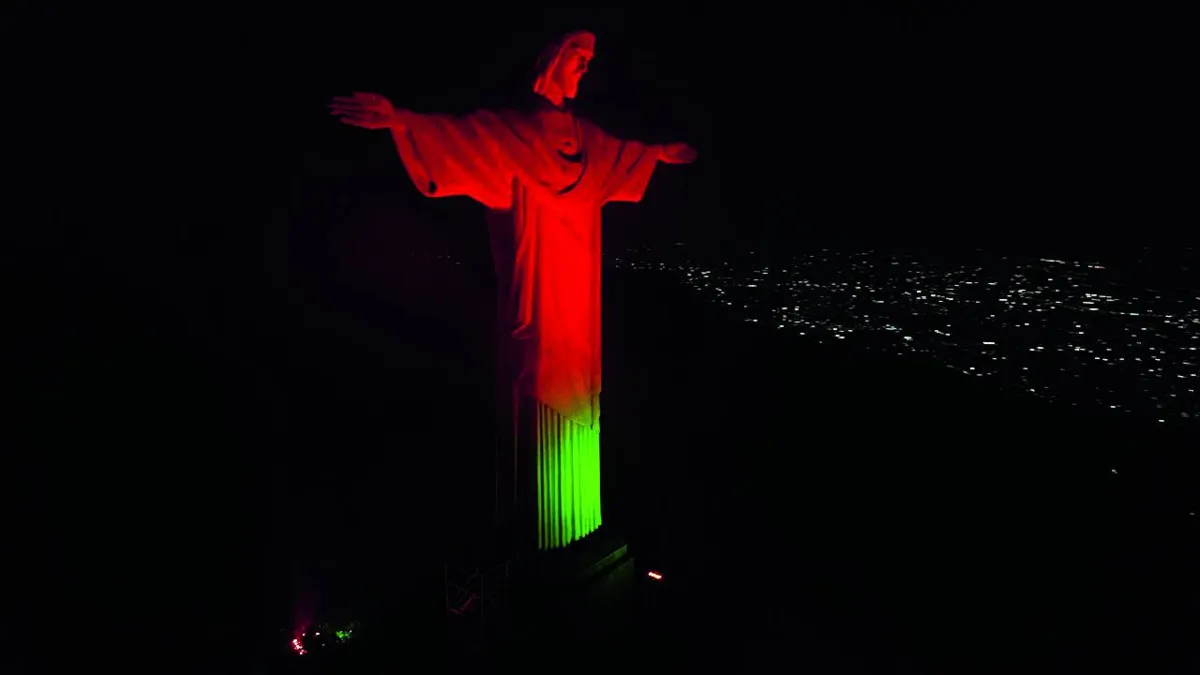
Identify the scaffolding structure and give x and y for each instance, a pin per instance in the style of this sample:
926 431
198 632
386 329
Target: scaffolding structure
477 608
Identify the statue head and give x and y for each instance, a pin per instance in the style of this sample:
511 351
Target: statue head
562 64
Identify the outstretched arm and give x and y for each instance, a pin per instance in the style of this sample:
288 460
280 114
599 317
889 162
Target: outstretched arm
445 155
678 153
625 167
369 111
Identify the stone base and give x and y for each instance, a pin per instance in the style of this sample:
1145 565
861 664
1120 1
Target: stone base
579 596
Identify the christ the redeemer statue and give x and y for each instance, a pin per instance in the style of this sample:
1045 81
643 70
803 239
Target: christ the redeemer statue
544 175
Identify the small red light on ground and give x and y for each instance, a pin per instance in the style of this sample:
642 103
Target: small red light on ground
654 575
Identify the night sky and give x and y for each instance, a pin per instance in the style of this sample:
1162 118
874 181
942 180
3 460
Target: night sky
896 122
198 245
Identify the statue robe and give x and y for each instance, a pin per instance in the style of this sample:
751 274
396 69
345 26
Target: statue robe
544 175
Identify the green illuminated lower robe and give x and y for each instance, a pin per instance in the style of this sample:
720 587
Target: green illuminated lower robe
568 477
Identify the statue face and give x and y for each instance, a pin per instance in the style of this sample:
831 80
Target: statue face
570 68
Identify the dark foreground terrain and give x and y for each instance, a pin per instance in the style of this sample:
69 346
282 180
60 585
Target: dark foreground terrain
198 481
851 514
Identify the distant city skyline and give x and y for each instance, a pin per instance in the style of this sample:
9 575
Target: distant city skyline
1061 330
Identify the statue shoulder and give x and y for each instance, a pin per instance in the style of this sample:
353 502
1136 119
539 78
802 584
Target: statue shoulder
589 126
591 130
510 115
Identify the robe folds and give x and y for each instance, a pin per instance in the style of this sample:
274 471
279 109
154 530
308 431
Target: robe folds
544 175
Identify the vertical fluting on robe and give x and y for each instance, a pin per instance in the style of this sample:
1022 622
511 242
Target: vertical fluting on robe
567 456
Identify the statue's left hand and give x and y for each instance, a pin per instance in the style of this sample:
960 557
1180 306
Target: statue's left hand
369 111
678 153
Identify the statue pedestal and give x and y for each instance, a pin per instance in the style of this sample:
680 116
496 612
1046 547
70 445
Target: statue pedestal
582 562
578 596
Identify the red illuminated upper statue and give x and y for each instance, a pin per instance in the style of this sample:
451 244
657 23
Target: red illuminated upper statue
545 174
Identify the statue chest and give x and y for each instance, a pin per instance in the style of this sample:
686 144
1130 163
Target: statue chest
563 134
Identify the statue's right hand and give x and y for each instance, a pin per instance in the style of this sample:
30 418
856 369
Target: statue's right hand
369 111
678 153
